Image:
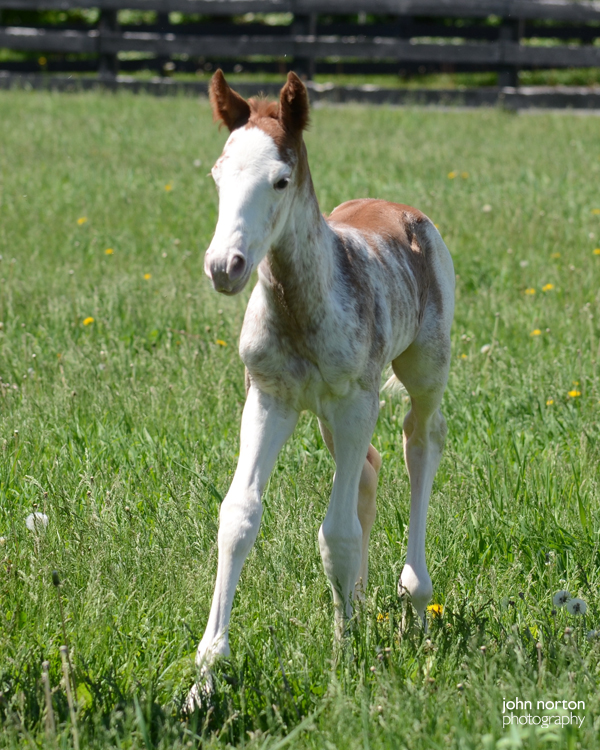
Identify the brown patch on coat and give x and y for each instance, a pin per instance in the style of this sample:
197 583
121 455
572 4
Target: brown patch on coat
403 229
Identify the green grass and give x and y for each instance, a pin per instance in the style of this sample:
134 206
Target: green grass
124 432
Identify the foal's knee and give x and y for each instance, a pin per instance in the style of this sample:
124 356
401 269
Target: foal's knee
239 522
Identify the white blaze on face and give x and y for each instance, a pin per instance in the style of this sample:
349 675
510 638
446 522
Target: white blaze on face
246 176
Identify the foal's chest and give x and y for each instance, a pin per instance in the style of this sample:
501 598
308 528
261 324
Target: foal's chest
299 366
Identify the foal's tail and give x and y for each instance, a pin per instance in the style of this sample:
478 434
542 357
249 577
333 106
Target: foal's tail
392 386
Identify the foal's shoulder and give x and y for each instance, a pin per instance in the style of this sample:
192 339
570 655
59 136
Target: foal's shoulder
391 220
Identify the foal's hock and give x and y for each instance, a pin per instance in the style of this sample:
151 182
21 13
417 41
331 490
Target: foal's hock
337 300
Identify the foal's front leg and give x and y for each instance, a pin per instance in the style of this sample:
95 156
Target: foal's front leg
341 534
266 425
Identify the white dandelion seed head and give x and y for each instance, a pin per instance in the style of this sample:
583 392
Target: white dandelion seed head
561 598
36 521
485 348
576 606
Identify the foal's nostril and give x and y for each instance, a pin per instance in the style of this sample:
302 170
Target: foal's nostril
236 267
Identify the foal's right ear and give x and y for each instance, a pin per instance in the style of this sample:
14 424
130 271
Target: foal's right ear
227 105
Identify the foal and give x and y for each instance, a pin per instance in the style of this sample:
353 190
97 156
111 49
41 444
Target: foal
337 300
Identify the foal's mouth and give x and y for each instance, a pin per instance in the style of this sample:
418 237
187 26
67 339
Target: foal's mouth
237 287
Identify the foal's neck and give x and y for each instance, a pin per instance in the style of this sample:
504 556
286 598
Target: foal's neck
300 263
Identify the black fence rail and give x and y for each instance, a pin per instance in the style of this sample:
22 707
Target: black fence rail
334 36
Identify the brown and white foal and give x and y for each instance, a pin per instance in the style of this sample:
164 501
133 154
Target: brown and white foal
337 300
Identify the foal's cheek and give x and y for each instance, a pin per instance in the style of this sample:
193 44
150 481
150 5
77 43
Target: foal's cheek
274 215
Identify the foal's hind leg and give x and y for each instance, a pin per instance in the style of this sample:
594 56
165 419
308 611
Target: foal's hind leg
423 369
367 491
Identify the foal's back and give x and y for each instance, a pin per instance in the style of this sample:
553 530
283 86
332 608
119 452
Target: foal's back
406 255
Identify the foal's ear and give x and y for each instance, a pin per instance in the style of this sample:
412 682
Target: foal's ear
227 105
293 105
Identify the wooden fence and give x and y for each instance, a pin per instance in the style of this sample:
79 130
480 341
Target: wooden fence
358 36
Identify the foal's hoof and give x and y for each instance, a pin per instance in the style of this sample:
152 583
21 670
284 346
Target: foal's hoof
200 696
409 609
416 586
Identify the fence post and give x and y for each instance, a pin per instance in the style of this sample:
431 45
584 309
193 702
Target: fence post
161 61
109 63
510 31
305 25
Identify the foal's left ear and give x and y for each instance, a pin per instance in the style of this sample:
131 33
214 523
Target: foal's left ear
227 105
293 105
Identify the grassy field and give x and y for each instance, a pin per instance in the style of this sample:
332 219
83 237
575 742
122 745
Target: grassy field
120 403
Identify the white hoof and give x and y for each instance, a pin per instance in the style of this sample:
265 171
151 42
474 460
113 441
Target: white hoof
201 693
418 587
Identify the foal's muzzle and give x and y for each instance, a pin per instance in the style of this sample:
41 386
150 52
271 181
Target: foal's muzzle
229 274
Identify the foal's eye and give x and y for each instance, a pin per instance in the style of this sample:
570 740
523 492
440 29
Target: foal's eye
281 184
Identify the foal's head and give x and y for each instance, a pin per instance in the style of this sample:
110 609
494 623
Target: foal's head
257 177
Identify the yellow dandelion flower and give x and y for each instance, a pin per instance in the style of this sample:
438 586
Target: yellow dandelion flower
597 251
436 610
576 382
81 220
530 291
383 617
437 226
463 356
42 61
220 342
169 187
549 402
596 211
109 251
555 255
536 332
547 287
451 175
574 393
464 175
88 321
147 276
